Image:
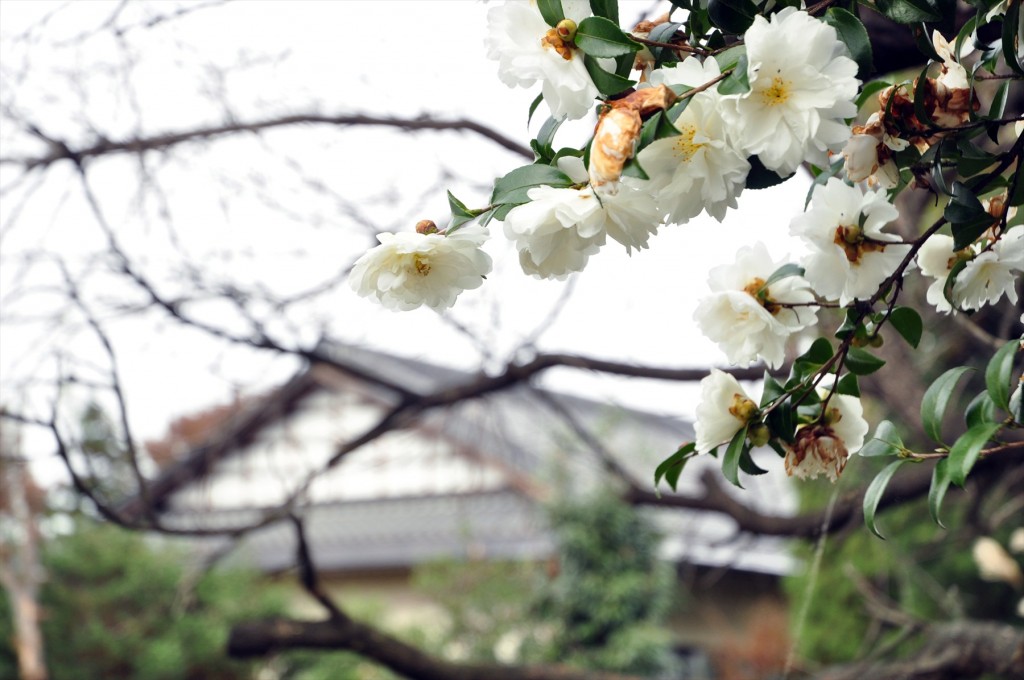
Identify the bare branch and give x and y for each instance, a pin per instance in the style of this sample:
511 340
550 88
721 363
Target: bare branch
60 150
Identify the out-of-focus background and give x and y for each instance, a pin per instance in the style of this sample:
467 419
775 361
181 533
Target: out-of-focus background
202 413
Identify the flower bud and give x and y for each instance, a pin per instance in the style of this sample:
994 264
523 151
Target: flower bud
566 30
426 227
759 434
877 341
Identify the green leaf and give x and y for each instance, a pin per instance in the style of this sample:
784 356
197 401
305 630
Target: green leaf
967 217
738 82
533 107
460 213
761 177
909 11
784 272
513 187
936 400
731 461
862 362
748 465
1011 36
599 37
920 96
853 34
874 87
874 495
632 168
732 57
672 467
664 33
848 385
608 84
937 490
886 441
966 449
810 361
981 410
551 10
654 128
732 16
997 109
908 324
999 372
609 9
545 137
947 287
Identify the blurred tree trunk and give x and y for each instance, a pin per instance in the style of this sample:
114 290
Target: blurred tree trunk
20 569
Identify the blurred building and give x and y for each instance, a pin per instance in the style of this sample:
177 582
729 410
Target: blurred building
464 482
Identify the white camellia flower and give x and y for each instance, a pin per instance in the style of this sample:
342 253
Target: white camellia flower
529 50
724 410
557 231
850 255
700 169
992 274
823 448
749 320
936 259
994 563
410 269
802 87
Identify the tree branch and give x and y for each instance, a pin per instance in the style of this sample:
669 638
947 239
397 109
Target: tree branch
59 150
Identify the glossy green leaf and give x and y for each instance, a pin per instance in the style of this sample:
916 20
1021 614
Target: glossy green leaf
999 372
731 461
606 83
873 495
862 362
664 33
738 82
967 217
1011 36
460 213
513 187
908 324
672 467
731 57
732 16
853 34
654 128
997 109
748 465
599 37
533 107
966 449
551 10
609 9
981 410
869 89
936 400
784 272
848 385
885 442
632 168
937 490
909 11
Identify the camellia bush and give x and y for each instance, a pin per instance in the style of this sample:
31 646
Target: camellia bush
722 96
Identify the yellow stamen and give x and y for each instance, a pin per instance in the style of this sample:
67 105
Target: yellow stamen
777 94
421 264
685 144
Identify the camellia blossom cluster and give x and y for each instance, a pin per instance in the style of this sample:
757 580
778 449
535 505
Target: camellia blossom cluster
696 128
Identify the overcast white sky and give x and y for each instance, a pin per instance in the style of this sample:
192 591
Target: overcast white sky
403 58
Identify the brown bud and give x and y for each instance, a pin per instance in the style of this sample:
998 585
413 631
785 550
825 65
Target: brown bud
426 227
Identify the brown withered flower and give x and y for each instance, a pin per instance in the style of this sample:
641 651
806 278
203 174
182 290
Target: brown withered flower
618 129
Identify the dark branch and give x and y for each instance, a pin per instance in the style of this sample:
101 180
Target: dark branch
269 636
61 151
